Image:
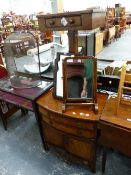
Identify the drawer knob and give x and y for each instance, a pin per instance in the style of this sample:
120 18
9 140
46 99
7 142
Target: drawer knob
51 22
71 21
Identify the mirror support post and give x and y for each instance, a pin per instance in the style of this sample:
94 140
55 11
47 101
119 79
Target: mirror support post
73 41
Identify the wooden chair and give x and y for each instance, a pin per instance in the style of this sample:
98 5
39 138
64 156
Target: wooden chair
124 84
7 24
47 37
122 25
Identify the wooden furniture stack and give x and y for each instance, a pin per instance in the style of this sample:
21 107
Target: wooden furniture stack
74 130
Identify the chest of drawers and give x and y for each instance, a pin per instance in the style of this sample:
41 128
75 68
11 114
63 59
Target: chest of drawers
75 130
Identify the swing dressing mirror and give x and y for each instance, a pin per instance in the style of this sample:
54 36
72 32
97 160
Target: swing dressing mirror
75 80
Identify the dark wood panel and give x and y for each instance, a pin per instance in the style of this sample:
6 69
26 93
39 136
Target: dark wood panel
116 137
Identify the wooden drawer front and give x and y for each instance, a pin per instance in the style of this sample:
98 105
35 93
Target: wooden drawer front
52 135
74 130
63 22
116 137
43 111
80 148
59 118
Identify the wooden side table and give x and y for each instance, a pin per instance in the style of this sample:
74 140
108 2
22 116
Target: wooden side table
75 130
72 22
23 97
115 129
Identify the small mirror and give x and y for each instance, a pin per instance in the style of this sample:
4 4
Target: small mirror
80 80
58 74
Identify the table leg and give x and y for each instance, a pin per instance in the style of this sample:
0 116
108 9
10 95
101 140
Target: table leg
4 121
36 111
104 156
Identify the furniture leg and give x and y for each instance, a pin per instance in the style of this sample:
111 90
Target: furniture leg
24 111
36 111
4 121
104 156
2 117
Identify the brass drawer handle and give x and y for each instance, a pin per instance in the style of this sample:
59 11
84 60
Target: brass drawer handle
71 21
51 22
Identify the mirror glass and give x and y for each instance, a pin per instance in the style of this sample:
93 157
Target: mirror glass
79 78
58 74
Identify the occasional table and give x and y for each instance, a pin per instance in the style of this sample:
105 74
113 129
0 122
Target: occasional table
115 129
23 97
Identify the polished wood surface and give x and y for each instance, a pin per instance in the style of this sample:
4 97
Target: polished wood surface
47 101
122 119
75 130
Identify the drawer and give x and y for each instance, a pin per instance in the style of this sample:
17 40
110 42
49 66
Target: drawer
43 111
74 130
59 118
84 149
63 21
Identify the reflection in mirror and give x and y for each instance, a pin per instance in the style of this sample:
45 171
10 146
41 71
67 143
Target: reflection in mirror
80 80
58 74
80 76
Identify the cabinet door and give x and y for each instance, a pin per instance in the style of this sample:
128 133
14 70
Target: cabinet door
80 148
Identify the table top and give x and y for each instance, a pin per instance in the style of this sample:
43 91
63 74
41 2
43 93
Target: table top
29 93
82 112
122 119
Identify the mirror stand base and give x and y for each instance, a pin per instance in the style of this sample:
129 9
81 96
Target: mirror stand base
94 105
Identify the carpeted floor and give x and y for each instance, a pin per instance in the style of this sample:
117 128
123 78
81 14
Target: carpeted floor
21 151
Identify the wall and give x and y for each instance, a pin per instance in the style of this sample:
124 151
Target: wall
72 5
29 6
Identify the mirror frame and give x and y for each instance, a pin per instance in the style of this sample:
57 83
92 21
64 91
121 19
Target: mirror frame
55 73
80 101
